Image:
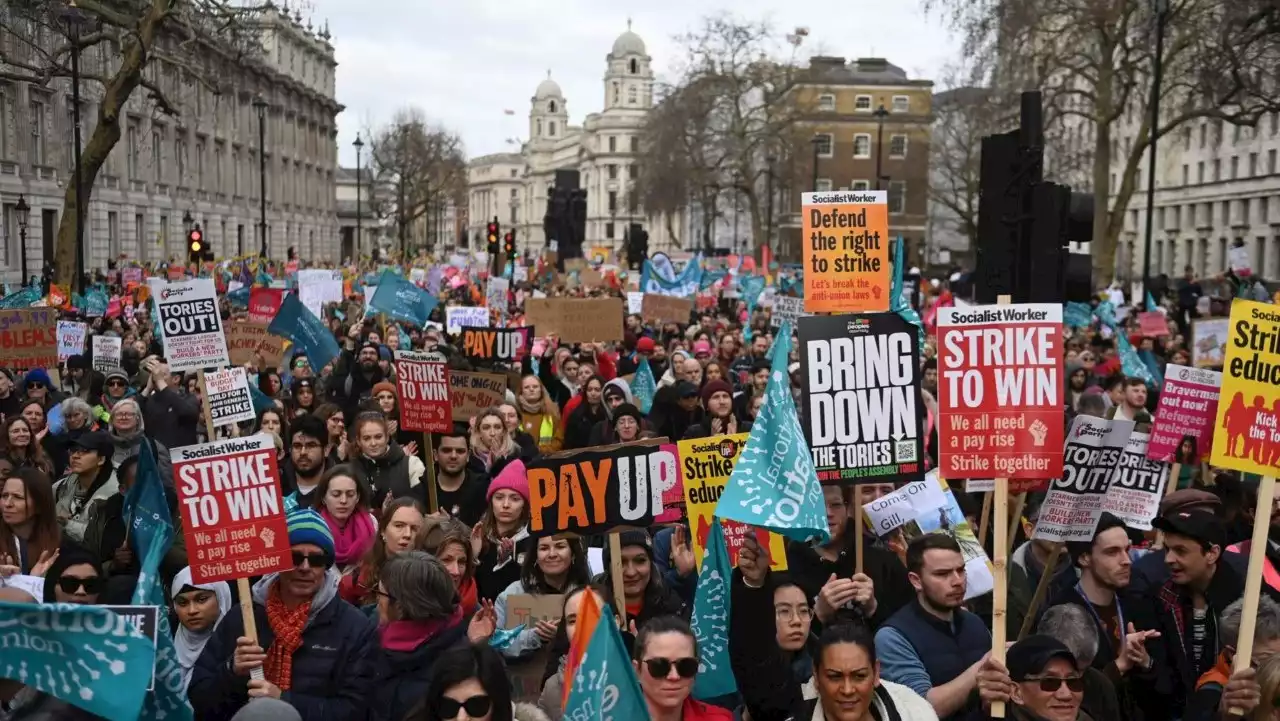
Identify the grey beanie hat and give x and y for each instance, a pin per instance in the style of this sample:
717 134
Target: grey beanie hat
267 709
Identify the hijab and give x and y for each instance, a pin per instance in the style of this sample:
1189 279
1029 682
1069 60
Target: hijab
189 643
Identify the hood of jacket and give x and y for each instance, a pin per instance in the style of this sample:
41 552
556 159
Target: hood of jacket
325 595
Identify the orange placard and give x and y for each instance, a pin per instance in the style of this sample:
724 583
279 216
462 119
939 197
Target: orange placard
845 252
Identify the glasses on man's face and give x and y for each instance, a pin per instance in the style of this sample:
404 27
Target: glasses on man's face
313 560
306 446
91 585
1051 684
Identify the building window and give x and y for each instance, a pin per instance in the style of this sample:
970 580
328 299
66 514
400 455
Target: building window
37 132
1200 172
897 196
113 234
551 128
860 185
131 140
613 201
634 67
898 146
1204 129
862 145
217 170
633 202
901 103
551 106
635 143
157 171
823 186
862 103
633 171
200 165
1253 165
1217 169
1186 174
1235 166
827 103
631 95
180 158
823 142
608 230
613 172
613 144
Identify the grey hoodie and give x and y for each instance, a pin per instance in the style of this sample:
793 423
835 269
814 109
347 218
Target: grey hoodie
325 595
626 392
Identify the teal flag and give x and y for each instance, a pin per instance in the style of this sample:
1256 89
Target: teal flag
95 303
898 302
711 619
306 331
605 685
401 300
151 533
752 286
24 298
643 386
239 298
260 400
1077 315
1151 303
773 485
503 637
84 655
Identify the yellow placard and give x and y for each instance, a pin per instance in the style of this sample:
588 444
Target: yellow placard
845 252
1247 432
705 465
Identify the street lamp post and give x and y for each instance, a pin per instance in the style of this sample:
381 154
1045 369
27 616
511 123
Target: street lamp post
74 20
880 114
1161 8
261 106
359 146
23 212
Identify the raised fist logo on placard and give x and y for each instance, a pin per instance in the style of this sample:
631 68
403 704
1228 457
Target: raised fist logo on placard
268 537
1038 432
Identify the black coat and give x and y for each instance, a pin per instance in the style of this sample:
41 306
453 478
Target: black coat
810 572
401 677
389 475
333 670
577 427
172 417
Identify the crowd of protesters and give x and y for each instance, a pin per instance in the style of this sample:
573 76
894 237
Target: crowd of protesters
388 611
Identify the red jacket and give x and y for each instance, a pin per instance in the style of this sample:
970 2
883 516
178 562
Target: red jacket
698 711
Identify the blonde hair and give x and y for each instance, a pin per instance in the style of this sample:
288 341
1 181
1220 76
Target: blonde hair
509 447
1269 683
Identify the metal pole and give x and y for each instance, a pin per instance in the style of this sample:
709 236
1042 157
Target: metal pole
75 111
22 235
1156 76
262 177
359 233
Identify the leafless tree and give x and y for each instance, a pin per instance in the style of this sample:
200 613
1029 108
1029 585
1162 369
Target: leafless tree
1093 60
419 166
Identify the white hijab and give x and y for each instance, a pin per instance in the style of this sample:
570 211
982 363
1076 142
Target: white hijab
189 643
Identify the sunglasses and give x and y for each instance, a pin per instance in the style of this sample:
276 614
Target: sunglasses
314 560
1051 684
35 384
475 706
115 383
91 585
661 667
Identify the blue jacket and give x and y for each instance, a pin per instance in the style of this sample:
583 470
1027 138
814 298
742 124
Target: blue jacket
333 671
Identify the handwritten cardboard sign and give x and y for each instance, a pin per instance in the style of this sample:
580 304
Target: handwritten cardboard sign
246 337
29 338
576 320
472 392
665 309
529 609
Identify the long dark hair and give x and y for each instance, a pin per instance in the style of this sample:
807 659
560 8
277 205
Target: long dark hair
376 557
476 661
46 533
33 456
534 581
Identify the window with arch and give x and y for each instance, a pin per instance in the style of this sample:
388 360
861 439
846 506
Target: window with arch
551 128
635 67
551 106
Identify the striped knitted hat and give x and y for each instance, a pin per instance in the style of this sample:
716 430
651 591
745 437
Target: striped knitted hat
308 526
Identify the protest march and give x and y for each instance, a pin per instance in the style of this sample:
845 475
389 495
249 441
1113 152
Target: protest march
709 489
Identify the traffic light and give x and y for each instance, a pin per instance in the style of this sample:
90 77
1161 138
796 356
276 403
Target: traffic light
509 244
493 237
195 245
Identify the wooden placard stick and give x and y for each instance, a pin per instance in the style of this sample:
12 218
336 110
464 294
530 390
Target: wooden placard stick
1253 581
857 530
1042 589
1000 590
433 502
615 573
1016 519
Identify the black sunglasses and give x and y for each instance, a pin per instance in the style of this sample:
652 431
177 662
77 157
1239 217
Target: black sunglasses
71 584
1051 684
116 382
474 706
661 667
35 384
315 560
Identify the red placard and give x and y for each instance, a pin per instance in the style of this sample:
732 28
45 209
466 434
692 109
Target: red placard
1000 392
264 303
1153 324
423 386
233 517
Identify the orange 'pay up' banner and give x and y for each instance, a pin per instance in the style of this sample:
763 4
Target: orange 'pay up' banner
845 252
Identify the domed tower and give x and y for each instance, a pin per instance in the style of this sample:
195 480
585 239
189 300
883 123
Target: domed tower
548 115
628 83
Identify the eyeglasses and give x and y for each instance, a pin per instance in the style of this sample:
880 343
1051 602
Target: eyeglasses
661 667
788 612
304 447
1051 684
475 706
314 560
71 584
35 384
115 383
335 419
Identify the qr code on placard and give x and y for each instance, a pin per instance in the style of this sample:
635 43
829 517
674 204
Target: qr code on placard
906 451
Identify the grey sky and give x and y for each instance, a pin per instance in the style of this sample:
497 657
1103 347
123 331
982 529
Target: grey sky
464 63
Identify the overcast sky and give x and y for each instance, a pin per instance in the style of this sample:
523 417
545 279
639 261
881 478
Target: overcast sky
464 63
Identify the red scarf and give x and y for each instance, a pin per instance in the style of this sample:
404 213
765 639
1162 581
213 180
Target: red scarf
406 636
353 540
287 625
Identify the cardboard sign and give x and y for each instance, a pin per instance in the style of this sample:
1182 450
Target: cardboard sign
1074 503
576 320
705 465
106 353
860 391
786 308
1209 342
145 621
422 383
529 609
191 325
503 345
71 337
660 309
233 517
1248 425
599 490
264 303
245 338
1153 324
227 397
457 317
28 338
845 252
1188 407
1000 392
472 392
1138 485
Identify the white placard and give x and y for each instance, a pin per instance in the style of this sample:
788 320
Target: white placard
71 339
106 353
191 325
227 394
786 308
635 301
457 316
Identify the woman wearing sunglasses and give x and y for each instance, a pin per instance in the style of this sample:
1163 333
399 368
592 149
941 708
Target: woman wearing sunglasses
73 577
666 661
470 683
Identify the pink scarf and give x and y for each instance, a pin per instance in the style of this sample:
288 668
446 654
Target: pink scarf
406 636
352 541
